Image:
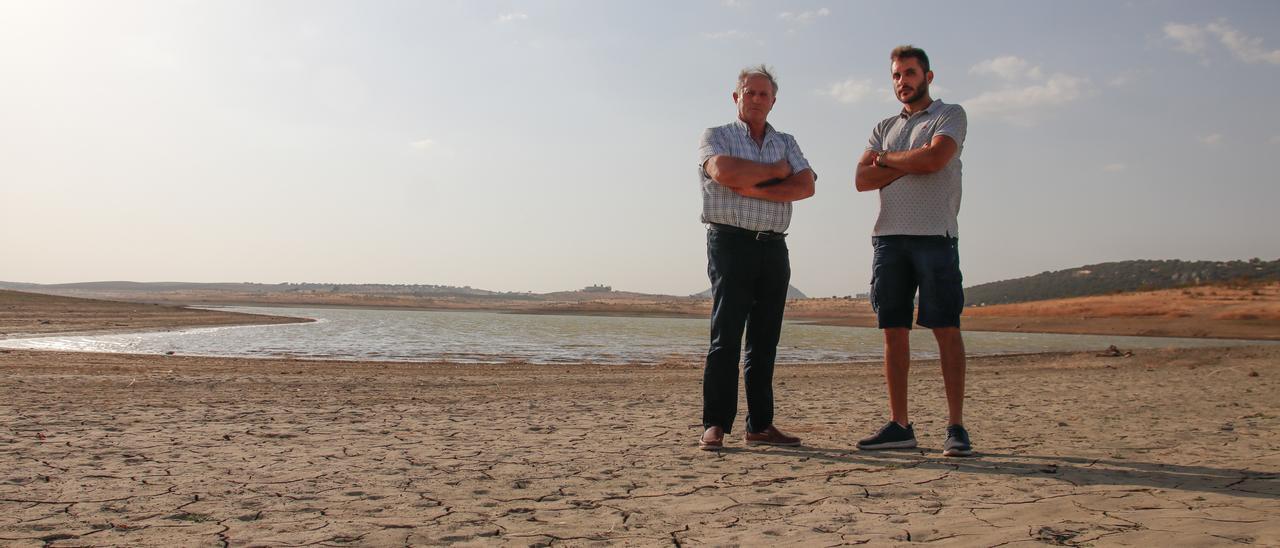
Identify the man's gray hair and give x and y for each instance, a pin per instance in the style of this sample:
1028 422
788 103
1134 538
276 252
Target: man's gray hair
759 70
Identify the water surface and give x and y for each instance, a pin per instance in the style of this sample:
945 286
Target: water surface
491 337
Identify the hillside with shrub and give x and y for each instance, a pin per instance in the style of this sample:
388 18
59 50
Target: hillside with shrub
1122 276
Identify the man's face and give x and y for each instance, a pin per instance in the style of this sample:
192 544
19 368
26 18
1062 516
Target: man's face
910 81
755 99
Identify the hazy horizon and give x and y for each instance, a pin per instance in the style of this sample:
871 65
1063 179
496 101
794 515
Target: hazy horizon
1182 271
549 146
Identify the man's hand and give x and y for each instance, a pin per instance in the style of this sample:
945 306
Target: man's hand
784 169
870 176
736 173
797 186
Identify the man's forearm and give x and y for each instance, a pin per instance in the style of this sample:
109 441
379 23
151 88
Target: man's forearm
875 177
739 173
798 186
930 158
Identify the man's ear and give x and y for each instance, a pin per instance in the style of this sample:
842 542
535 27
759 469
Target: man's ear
735 97
928 77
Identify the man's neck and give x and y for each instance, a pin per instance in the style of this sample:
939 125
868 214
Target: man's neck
756 129
918 105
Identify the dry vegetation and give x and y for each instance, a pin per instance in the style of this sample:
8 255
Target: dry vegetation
1223 311
1216 311
1253 302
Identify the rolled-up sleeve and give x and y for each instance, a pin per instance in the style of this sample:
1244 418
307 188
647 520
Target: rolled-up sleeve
796 158
709 145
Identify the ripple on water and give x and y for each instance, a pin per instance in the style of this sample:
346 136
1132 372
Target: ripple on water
487 337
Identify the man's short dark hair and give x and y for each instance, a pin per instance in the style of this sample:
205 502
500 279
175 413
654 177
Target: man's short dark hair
910 52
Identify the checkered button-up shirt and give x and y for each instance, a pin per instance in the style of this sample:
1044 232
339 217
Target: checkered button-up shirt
724 206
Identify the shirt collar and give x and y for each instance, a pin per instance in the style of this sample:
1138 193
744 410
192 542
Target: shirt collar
768 128
932 107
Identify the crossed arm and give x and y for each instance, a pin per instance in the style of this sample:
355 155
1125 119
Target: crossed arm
929 158
773 182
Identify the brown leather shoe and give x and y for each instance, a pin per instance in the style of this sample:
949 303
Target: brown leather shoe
771 436
712 439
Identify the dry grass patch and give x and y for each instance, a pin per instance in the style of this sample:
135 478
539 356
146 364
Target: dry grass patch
1258 302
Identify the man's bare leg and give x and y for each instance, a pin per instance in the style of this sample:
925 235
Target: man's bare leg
951 348
897 363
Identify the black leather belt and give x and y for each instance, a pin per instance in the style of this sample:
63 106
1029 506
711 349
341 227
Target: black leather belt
753 234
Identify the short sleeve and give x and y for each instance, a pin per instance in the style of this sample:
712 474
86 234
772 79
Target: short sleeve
876 142
709 145
796 158
953 123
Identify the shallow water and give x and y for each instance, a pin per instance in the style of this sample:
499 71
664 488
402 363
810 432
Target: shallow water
490 337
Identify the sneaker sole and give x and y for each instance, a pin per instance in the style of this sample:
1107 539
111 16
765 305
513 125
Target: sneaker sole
908 444
958 453
796 444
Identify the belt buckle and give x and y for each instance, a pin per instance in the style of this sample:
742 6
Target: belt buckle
761 236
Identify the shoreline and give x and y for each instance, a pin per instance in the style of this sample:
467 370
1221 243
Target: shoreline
689 362
1202 312
288 320
147 330
985 323
27 315
228 317
695 360
976 320
513 360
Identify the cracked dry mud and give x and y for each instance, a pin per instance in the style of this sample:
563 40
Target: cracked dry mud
1167 447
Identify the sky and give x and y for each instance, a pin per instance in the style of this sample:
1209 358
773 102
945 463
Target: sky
546 146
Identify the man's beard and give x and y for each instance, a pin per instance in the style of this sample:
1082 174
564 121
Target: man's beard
920 92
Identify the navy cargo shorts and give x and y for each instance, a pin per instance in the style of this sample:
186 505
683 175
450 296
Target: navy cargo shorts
904 263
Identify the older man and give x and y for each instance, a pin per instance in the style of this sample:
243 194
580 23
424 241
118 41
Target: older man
750 174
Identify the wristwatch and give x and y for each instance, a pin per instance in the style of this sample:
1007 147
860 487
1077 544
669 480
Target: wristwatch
880 157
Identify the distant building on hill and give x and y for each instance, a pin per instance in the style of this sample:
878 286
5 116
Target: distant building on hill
597 289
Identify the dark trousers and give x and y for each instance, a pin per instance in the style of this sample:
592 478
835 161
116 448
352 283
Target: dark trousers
749 280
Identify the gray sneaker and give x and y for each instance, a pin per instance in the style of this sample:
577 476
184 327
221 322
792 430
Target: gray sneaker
890 436
957 442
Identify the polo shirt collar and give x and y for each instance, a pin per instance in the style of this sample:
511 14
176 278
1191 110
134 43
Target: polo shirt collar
932 106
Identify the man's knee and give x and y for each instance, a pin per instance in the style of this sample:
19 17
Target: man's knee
896 332
897 336
947 334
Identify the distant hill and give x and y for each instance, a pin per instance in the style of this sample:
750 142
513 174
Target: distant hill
303 292
306 287
1115 277
118 288
792 293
